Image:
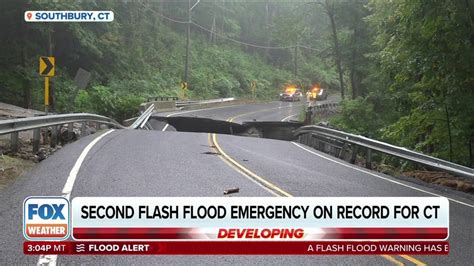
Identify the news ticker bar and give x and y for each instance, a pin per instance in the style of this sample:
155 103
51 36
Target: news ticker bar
237 248
236 218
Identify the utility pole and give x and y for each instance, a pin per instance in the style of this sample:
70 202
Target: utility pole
188 35
186 63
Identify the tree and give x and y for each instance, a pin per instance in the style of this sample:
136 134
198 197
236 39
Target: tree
427 49
329 7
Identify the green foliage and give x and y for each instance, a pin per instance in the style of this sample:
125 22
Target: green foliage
427 48
418 75
358 116
109 102
425 65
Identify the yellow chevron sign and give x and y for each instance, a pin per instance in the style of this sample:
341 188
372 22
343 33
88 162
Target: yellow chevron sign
46 66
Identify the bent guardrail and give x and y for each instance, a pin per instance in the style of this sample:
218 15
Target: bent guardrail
141 121
318 136
14 126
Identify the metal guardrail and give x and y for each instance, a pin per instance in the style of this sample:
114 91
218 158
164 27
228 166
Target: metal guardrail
311 136
188 103
141 121
325 106
23 124
14 126
184 103
162 98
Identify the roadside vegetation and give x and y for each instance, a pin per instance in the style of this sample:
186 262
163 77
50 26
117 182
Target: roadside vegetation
418 78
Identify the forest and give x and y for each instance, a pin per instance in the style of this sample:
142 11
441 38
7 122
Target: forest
403 68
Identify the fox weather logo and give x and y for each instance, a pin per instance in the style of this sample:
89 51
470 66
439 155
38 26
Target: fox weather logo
46 218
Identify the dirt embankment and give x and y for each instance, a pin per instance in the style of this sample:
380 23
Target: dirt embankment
11 168
443 179
431 177
9 111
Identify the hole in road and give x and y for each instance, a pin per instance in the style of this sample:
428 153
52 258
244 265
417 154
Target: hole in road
260 129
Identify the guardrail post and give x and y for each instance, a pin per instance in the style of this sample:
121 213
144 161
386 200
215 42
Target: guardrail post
36 140
303 139
307 140
97 126
14 142
83 129
70 130
354 154
368 160
54 136
314 141
324 146
342 154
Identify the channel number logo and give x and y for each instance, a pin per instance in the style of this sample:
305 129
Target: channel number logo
46 218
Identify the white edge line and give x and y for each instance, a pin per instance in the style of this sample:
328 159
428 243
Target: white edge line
289 117
75 169
381 177
52 259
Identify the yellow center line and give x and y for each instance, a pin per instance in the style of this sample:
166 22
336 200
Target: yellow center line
392 259
411 259
278 191
263 181
245 170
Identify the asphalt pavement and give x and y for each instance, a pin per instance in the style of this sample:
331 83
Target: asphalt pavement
167 163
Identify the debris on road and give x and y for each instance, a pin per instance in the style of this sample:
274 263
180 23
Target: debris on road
211 153
231 190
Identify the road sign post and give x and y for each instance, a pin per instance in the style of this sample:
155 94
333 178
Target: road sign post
46 92
253 86
46 69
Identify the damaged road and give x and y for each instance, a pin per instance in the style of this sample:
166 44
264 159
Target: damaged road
262 129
